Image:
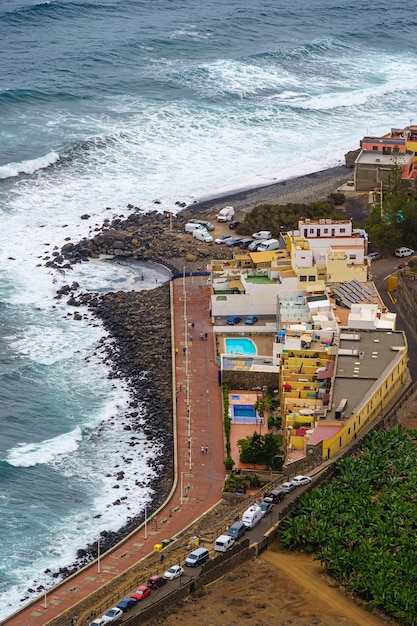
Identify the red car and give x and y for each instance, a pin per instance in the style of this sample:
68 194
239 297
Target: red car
141 593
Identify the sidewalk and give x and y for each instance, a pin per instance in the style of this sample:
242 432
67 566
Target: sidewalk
198 423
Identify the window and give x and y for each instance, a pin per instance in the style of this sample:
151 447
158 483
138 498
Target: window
325 230
311 279
342 230
303 279
352 257
374 147
311 231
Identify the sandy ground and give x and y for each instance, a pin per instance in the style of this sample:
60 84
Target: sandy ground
278 588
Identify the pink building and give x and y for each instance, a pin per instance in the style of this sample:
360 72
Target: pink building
379 154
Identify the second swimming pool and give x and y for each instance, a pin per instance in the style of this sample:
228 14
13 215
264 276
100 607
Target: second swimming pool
240 345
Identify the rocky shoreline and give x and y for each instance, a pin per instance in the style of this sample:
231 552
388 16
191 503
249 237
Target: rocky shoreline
139 321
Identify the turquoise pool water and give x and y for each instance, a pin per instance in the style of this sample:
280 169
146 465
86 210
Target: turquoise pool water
240 345
244 414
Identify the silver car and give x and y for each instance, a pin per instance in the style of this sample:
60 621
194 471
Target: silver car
301 480
287 487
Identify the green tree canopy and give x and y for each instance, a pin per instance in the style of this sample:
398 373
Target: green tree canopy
260 449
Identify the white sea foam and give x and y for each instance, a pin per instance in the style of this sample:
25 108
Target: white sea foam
29 454
28 167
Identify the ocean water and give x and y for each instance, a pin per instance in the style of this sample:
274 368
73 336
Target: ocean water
105 103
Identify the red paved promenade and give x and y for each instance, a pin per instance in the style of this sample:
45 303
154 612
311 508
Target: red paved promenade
199 423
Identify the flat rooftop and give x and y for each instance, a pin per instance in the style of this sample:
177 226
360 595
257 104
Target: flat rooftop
363 356
372 157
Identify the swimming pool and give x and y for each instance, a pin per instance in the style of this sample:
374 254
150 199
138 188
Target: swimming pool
240 345
244 414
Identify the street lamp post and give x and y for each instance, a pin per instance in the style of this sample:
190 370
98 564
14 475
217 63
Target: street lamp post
98 556
146 522
182 488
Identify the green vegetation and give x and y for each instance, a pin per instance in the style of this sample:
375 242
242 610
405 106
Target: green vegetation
277 217
260 449
226 418
393 221
235 482
362 525
228 463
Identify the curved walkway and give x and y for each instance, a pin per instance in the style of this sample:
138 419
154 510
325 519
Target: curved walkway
199 476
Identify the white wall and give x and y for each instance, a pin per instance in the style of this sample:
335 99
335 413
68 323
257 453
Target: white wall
258 300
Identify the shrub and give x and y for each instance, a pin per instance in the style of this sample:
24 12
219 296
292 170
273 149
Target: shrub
228 463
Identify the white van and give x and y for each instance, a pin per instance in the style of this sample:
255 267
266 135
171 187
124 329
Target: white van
223 543
262 234
265 246
190 227
197 557
203 235
252 516
226 215
401 252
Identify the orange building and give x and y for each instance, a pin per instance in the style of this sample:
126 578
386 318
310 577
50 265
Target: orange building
379 154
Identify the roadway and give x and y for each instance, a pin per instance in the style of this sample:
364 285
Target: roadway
255 535
381 270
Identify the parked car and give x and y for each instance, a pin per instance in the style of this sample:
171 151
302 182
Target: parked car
234 225
203 235
174 572
252 516
262 234
233 319
276 496
97 622
222 238
233 241
403 252
237 530
266 507
267 246
223 543
251 319
374 256
226 215
197 557
190 227
126 604
254 245
112 615
141 593
154 582
207 225
245 243
287 487
301 480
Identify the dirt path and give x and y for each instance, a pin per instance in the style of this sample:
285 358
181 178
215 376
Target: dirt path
278 588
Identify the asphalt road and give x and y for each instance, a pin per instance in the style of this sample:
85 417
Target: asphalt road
381 270
254 535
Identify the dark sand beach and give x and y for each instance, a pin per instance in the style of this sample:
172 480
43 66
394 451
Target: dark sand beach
303 189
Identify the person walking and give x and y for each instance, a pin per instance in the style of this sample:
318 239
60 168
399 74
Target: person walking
206 449
201 337
202 449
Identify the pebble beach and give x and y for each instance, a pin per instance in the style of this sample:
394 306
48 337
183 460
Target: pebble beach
303 189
